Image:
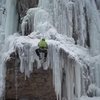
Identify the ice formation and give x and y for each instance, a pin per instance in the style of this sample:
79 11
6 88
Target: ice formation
74 67
61 58
11 18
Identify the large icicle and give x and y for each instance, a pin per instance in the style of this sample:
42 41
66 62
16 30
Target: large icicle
56 71
94 26
11 21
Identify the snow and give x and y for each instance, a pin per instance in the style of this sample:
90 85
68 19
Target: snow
87 98
94 90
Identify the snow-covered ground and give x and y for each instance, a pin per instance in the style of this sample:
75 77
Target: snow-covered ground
89 98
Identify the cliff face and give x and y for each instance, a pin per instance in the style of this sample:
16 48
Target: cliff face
22 6
38 87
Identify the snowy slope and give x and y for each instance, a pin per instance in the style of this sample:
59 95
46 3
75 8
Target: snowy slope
87 98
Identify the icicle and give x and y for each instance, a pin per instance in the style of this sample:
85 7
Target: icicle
26 25
24 56
69 79
78 79
56 72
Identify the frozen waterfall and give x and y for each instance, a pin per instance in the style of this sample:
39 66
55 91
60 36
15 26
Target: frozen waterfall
64 61
72 31
11 19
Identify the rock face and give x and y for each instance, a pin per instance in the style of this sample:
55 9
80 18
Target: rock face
38 87
98 4
24 5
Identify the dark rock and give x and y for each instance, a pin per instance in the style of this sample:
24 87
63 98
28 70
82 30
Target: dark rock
23 5
38 87
75 36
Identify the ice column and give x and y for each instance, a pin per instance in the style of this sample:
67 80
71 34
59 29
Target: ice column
11 21
94 26
56 72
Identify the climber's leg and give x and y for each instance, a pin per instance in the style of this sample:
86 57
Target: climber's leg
38 53
45 54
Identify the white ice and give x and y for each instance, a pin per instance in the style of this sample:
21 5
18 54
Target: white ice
57 21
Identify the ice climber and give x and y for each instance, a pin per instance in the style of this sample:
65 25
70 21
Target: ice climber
43 46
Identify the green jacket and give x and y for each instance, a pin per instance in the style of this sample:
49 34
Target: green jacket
43 44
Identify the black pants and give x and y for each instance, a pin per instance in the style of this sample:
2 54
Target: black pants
39 50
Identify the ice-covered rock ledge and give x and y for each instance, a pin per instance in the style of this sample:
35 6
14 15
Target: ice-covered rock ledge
64 58
25 46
